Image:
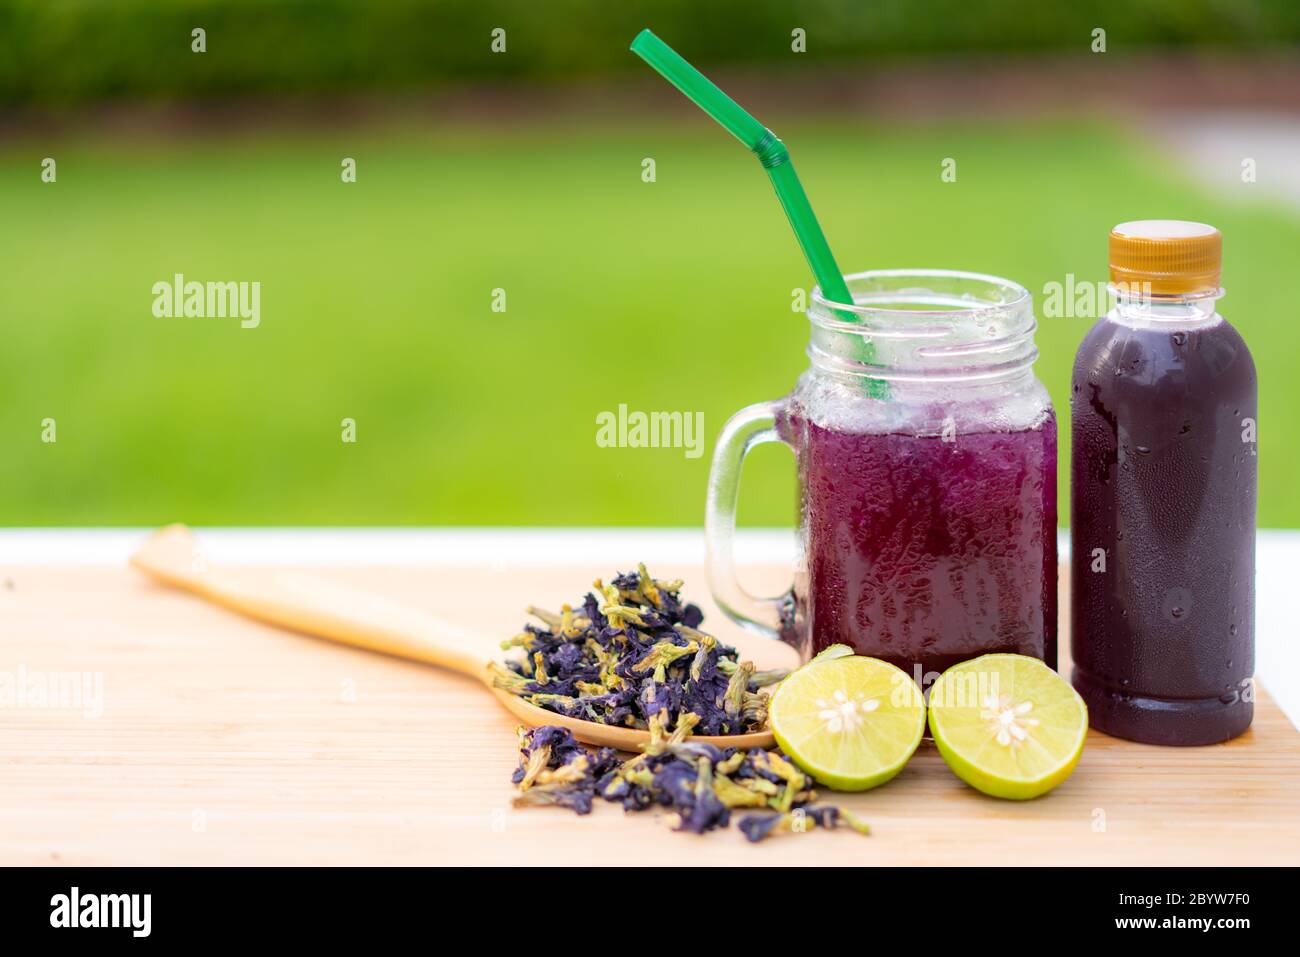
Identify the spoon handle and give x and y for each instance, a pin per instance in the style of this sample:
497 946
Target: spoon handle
317 607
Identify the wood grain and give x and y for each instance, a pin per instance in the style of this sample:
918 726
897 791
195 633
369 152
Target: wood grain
224 741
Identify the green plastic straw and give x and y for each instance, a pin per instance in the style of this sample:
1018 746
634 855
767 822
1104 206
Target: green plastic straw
773 156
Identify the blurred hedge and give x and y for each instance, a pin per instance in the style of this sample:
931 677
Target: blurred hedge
64 51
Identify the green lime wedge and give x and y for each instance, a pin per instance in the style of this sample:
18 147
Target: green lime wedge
1008 725
850 722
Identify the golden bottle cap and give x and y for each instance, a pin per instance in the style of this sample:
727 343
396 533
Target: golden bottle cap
1166 256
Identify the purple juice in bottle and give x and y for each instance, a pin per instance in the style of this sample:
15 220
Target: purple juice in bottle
927 550
1164 485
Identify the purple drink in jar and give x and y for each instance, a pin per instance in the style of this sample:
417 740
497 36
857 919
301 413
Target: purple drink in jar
925 552
928 508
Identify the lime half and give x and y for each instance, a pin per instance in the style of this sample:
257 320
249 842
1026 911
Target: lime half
1008 725
850 722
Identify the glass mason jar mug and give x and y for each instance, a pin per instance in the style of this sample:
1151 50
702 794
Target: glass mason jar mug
926 454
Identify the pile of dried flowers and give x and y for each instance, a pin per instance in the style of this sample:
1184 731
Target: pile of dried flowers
631 652
633 655
699 783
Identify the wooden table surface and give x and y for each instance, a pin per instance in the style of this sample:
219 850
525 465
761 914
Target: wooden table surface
223 741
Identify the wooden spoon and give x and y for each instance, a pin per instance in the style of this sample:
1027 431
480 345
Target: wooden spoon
326 610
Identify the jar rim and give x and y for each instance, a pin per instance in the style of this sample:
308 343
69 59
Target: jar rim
924 325
1016 297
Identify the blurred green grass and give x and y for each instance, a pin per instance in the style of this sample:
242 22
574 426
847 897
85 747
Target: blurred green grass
672 295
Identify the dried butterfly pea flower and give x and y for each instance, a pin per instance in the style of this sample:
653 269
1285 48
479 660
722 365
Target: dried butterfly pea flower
507 680
736 687
699 783
631 651
663 654
735 795
706 654
757 827
761 679
549 746
555 769
551 619
707 809
578 800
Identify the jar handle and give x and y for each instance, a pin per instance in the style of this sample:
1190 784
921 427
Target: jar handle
751 426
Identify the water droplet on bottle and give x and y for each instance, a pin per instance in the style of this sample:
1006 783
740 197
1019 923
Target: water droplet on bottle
1232 630
1143 450
1179 338
1177 604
